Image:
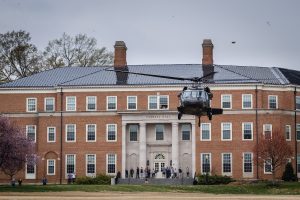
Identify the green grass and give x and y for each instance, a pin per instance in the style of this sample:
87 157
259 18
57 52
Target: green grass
259 188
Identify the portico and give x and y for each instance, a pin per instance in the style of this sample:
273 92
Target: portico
157 141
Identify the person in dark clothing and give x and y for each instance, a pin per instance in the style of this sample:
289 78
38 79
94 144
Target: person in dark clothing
137 172
126 173
131 173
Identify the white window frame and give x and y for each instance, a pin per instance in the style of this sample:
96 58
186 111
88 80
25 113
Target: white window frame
116 133
30 176
201 127
114 164
222 161
87 103
116 99
247 174
163 127
137 137
190 129
67 104
210 164
66 163
222 139
265 172
158 102
264 129
27 105
223 95
45 104
297 100
86 165
128 102
276 97
48 127
66 131
243 98
27 126
87 130
243 129
50 174
290 132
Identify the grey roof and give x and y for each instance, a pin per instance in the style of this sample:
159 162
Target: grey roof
98 76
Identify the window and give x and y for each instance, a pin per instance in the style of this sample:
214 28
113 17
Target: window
111 132
50 167
111 163
51 134
131 102
226 101
31 105
133 131
247 162
206 160
112 103
49 104
31 132
226 131
247 101
159 132
90 164
186 132
298 132
226 163
71 163
70 133
205 131
158 102
273 102
268 166
30 168
298 163
288 132
71 103
298 102
91 132
247 130
91 103
267 131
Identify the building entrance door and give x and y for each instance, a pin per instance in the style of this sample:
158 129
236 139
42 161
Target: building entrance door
159 168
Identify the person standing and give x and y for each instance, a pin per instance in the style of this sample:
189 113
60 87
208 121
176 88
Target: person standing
137 172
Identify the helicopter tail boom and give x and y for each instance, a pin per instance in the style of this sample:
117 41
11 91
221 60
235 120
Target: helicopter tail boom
217 111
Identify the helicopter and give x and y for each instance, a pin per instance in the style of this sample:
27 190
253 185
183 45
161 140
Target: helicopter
194 100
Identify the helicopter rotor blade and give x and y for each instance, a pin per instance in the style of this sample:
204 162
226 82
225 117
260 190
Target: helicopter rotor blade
203 77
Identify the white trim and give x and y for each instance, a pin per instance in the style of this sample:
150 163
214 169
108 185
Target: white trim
243 129
290 132
190 129
276 97
48 127
226 173
116 133
35 110
136 104
50 174
137 138
116 102
243 98
86 133
230 95
265 167
264 129
158 96
75 102
86 103
86 163
114 163
30 176
34 132
66 163
247 174
66 131
45 104
201 164
163 126
230 124
209 125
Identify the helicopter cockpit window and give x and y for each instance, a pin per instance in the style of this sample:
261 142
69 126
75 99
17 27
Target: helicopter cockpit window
195 94
186 94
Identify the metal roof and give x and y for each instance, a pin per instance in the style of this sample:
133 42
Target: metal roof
97 76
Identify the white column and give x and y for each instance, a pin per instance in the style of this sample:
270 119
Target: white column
143 153
175 149
193 149
123 149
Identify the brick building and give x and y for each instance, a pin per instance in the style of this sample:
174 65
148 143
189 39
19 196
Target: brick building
88 121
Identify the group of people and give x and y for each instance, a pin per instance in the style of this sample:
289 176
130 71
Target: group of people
139 173
71 178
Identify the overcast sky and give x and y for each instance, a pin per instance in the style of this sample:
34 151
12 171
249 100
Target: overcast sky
266 32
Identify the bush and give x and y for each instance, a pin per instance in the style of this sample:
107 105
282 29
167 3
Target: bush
213 180
288 174
100 179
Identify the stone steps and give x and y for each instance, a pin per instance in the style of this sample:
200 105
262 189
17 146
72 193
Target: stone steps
156 181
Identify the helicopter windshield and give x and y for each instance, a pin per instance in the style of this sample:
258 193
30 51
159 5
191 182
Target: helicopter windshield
192 94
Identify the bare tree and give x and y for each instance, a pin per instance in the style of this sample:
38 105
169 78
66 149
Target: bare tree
18 57
273 149
15 149
76 51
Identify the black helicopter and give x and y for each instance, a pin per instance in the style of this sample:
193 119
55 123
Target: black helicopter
194 100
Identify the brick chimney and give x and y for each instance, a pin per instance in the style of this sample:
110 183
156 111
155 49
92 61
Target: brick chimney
120 55
207 47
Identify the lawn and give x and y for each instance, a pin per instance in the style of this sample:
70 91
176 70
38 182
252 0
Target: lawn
259 188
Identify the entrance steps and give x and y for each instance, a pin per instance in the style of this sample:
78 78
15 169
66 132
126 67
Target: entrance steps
156 181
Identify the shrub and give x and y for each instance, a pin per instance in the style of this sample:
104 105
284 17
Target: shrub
288 174
100 179
213 180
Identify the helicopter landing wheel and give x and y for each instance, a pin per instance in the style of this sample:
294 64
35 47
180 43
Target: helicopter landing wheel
179 115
